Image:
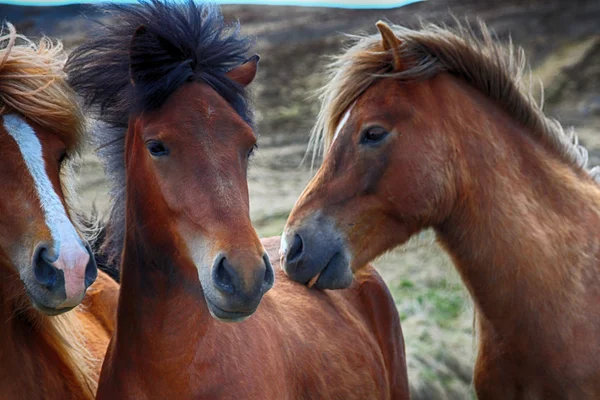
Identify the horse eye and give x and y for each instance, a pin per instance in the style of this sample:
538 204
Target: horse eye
373 134
62 157
251 151
156 148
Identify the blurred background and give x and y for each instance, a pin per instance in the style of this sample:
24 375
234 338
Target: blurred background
562 42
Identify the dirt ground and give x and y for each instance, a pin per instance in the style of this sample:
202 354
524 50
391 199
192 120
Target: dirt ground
562 41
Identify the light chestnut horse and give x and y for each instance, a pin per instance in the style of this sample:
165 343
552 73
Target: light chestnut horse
179 135
429 128
46 265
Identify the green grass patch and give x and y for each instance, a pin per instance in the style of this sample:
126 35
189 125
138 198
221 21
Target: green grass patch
442 301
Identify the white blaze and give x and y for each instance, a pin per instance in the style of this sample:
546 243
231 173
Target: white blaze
68 251
342 122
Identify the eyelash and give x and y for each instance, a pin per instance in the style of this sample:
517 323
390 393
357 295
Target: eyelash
252 151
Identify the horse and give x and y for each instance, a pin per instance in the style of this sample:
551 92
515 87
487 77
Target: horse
46 265
199 315
431 128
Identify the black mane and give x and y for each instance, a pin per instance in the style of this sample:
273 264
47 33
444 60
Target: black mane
175 42
192 42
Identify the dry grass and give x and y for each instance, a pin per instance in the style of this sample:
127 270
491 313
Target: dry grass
436 318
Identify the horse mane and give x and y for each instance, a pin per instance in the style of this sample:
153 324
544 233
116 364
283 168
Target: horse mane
479 59
99 70
64 333
33 84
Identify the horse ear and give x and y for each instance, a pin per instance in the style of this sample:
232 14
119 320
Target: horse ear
151 58
390 42
244 74
136 54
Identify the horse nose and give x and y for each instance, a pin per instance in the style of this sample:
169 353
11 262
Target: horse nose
315 254
229 278
66 275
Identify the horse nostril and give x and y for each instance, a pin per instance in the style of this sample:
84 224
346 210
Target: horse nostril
269 274
45 273
91 269
296 249
224 276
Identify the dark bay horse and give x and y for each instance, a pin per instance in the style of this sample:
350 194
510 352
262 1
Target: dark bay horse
177 136
46 265
429 128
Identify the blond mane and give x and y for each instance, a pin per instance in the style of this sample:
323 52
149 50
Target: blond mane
64 333
477 57
33 84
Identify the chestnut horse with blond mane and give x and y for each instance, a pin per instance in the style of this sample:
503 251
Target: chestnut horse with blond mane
168 81
429 128
46 266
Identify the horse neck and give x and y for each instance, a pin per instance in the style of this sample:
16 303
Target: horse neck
524 233
33 353
160 297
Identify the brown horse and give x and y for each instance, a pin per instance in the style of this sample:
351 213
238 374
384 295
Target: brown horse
429 128
176 149
45 264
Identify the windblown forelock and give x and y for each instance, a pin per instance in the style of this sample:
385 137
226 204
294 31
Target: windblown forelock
477 56
33 84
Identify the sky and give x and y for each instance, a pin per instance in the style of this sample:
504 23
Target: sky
356 4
